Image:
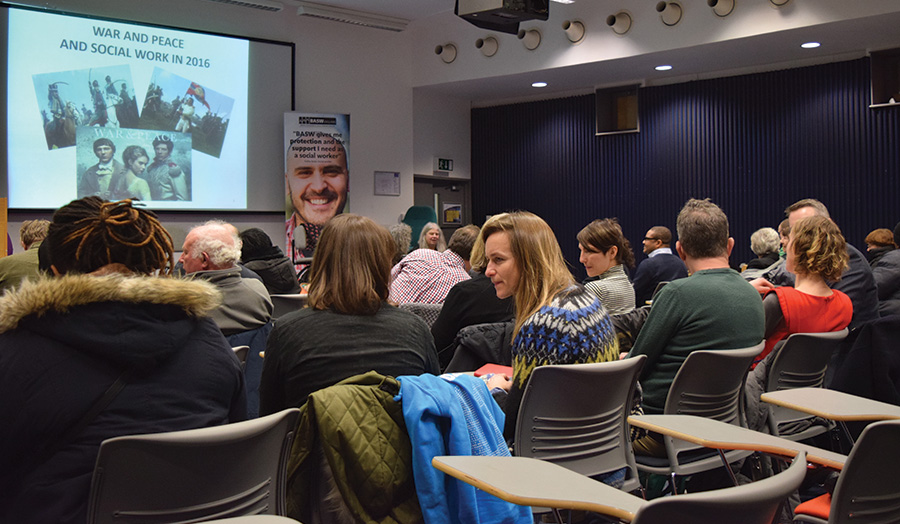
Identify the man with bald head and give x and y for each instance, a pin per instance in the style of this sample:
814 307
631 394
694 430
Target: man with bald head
856 282
661 264
211 252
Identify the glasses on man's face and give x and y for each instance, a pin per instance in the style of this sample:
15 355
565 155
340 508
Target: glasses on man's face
650 238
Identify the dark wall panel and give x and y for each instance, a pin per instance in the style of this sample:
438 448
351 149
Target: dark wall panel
753 144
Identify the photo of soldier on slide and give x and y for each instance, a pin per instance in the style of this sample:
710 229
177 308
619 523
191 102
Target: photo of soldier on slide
175 103
96 97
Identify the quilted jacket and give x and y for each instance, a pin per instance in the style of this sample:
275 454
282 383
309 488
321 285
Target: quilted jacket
351 438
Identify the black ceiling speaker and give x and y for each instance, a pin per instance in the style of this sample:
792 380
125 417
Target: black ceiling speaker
502 15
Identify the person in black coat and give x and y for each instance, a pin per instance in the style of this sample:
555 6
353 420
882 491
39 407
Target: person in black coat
268 261
103 319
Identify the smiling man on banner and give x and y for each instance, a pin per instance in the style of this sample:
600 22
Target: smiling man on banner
317 180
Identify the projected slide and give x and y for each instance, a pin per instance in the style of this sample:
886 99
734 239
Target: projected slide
125 111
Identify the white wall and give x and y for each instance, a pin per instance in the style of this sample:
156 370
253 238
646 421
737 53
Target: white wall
340 68
441 128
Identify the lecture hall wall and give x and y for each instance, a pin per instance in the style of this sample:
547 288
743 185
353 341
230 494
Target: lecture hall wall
753 143
340 68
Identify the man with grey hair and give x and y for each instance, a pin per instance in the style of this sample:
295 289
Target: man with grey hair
857 281
16 268
714 308
211 252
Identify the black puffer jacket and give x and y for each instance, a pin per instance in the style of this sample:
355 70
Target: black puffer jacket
276 271
64 341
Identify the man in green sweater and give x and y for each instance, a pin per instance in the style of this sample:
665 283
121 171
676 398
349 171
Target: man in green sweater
16 268
714 308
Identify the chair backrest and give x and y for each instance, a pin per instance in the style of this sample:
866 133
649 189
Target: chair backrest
867 487
800 362
284 304
199 474
710 383
754 503
575 416
416 217
427 312
241 353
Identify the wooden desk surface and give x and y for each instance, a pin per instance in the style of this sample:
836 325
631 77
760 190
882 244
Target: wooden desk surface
831 404
532 482
719 435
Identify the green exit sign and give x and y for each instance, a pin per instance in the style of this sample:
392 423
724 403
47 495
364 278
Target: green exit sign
444 164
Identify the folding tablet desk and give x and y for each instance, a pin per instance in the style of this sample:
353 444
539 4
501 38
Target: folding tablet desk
533 482
714 434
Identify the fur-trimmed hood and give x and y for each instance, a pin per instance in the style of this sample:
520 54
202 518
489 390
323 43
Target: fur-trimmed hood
128 320
61 294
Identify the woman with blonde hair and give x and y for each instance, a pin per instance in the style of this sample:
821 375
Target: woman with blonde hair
348 327
524 261
604 253
432 237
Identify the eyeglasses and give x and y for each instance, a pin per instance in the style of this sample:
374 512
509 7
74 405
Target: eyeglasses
650 238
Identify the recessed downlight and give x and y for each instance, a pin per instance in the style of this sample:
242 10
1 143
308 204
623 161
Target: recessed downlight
539 84
664 67
810 45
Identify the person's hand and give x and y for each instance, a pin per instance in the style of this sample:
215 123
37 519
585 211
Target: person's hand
762 285
499 381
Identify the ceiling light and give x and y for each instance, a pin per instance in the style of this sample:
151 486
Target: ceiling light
447 52
810 45
665 67
563 1
539 84
574 31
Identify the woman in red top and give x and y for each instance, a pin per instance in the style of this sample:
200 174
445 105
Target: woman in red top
816 254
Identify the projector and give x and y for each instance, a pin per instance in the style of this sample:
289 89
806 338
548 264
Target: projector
502 15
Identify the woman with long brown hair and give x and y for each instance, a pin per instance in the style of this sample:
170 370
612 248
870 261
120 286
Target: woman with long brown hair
349 327
557 320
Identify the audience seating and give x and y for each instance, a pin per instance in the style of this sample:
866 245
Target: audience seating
866 490
284 304
800 363
252 364
575 416
709 384
754 503
194 475
531 482
254 519
480 344
241 353
427 312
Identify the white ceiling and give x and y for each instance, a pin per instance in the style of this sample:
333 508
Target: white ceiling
756 36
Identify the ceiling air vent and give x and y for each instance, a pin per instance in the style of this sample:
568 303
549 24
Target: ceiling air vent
264 5
349 16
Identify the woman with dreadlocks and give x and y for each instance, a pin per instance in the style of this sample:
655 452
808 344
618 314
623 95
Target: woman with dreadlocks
107 331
